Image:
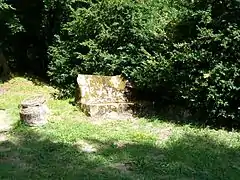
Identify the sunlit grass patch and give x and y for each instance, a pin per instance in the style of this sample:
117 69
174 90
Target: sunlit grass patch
70 146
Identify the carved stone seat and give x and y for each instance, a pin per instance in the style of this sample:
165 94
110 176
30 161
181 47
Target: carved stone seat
103 96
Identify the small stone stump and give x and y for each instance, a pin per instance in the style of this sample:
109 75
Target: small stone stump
33 111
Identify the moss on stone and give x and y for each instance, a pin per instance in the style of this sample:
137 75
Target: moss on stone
102 94
102 88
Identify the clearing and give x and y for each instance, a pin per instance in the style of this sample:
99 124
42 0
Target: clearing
72 147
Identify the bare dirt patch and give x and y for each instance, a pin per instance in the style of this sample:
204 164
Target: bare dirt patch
86 147
3 137
123 167
5 121
2 90
122 144
164 133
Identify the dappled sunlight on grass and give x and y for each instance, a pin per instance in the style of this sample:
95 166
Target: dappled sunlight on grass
71 146
190 155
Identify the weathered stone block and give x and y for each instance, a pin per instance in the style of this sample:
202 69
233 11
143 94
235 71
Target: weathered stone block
103 109
33 111
101 89
101 95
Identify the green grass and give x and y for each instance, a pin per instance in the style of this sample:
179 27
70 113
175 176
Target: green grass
133 149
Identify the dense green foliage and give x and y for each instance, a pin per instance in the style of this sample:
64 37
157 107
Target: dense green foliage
206 64
184 52
109 37
181 52
9 24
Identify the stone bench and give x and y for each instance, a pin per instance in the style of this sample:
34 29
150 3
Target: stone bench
103 96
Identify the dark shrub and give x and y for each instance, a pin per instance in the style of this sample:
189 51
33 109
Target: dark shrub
111 37
184 52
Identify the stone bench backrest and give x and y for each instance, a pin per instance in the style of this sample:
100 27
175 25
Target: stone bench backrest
101 89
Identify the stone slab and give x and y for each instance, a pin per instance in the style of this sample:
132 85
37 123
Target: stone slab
109 110
101 89
103 96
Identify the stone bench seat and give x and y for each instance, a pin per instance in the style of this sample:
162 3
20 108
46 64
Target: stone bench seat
103 109
99 96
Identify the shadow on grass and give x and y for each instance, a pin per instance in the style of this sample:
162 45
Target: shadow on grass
173 114
181 116
32 156
36 80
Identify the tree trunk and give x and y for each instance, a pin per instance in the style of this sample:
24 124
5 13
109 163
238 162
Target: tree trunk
4 69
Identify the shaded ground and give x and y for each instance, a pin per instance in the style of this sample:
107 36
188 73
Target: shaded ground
71 147
187 157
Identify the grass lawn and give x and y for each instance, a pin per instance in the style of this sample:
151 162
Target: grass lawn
71 147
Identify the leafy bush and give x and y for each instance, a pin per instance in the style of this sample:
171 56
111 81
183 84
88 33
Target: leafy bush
109 37
184 52
206 63
9 25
